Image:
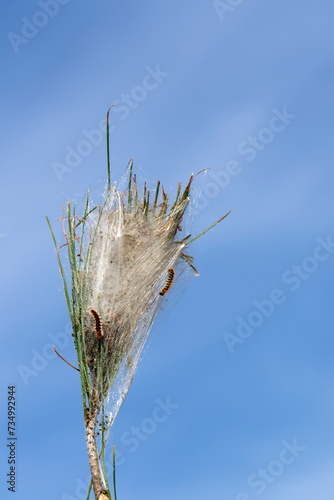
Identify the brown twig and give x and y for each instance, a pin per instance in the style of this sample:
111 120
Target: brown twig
64 359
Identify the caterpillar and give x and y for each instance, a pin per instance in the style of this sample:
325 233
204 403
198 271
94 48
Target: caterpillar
97 323
169 281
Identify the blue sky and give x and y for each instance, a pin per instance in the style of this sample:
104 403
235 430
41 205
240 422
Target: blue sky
246 89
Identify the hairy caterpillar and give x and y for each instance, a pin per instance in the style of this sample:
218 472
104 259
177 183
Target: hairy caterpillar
97 323
169 281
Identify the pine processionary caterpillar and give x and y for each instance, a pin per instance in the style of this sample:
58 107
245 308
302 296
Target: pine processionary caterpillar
97 323
169 281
